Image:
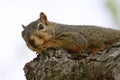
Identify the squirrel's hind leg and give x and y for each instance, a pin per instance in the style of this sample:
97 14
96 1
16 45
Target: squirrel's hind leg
96 49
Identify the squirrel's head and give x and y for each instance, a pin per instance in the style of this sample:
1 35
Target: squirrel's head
38 32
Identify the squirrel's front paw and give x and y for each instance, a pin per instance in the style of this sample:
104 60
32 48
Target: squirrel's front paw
41 50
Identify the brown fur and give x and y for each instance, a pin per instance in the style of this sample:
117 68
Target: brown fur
42 34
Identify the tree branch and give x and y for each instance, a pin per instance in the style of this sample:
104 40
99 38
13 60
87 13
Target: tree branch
59 64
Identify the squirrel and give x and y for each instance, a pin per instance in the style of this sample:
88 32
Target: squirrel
43 34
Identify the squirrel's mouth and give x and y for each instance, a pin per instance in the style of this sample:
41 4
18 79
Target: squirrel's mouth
34 44
32 47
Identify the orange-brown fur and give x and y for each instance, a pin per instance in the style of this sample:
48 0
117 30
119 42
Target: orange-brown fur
42 34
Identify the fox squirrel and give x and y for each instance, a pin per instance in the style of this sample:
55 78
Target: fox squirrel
42 34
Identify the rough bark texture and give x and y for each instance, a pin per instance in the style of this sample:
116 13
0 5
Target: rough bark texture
59 64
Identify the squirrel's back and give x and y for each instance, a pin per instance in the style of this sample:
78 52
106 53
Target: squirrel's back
95 33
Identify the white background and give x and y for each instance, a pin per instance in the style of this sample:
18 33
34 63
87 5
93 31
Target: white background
13 51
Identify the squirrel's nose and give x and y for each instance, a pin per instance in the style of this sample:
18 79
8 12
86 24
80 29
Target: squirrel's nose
32 39
32 42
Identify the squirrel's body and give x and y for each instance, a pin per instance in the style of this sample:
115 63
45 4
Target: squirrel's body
42 34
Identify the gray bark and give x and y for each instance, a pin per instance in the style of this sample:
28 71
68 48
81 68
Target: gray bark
59 64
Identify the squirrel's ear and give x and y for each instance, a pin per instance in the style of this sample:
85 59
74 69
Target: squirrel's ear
23 26
44 19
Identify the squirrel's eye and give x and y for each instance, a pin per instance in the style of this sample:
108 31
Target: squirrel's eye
41 26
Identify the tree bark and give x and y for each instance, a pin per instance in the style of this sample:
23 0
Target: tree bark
59 64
